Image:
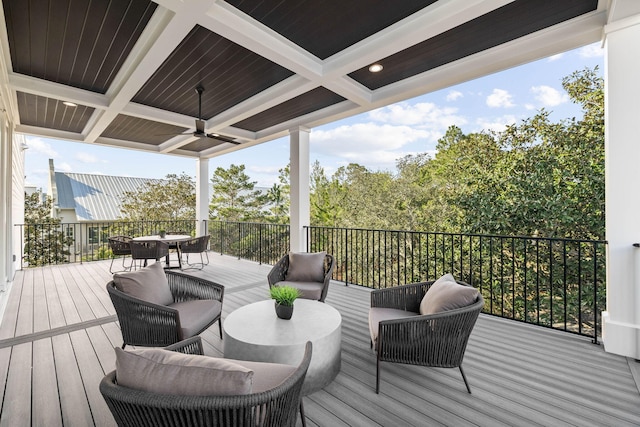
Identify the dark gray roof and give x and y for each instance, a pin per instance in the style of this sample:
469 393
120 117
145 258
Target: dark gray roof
95 197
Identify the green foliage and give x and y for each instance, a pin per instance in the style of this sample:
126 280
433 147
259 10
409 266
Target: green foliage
234 196
170 199
278 198
536 178
45 240
284 295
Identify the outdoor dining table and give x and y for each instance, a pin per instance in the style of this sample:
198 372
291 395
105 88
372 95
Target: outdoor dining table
169 238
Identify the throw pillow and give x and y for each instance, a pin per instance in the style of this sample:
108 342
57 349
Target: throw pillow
162 371
148 284
306 267
445 294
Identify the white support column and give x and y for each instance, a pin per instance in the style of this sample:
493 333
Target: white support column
621 321
299 211
6 263
202 196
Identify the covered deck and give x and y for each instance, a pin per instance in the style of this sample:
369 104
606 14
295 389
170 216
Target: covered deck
59 329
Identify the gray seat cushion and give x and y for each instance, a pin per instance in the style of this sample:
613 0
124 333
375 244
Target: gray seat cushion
379 314
446 294
148 284
196 315
309 290
167 372
306 267
266 375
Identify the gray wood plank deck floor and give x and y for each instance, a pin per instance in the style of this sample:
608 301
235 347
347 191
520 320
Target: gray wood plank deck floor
59 329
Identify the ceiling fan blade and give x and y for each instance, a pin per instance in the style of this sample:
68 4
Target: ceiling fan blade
222 138
199 126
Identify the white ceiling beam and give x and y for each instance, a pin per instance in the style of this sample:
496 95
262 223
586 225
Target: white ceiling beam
271 97
36 86
161 36
581 31
242 29
49 133
158 115
422 25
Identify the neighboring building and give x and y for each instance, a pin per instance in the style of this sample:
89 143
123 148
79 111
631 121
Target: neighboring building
85 203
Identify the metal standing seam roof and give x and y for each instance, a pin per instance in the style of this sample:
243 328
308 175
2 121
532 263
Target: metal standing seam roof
95 197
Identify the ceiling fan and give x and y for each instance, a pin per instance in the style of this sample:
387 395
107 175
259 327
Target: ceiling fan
200 132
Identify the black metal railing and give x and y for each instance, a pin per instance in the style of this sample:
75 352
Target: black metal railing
557 283
260 242
45 244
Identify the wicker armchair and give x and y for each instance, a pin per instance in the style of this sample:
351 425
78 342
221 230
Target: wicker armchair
276 407
199 245
120 246
436 340
279 274
147 324
149 249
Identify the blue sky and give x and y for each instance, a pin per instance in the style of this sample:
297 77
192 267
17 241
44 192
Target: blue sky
374 139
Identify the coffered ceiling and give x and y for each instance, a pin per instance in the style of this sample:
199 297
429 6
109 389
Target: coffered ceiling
131 66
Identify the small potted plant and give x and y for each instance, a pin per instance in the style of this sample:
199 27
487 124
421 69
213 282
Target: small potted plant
284 297
162 234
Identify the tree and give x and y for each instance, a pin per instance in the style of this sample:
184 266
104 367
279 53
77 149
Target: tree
234 196
278 198
170 199
45 241
326 198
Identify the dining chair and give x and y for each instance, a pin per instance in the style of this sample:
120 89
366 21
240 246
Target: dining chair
148 249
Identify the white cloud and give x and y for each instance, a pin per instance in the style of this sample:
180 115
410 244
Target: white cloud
454 95
548 96
38 145
496 124
529 107
85 157
64 167
500 98
371 144
422 115
555 57
591 51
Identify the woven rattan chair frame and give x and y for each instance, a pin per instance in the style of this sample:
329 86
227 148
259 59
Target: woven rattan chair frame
436 340
148 249
199 245
275 407
174 245
278 273
120 247
146 324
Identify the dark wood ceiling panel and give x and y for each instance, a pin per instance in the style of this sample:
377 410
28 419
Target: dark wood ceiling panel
130 128
202 144
81 43
326 27
229 73
507 23
306 103
52 113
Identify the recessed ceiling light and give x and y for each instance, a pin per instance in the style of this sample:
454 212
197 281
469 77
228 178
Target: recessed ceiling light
69 104
375 68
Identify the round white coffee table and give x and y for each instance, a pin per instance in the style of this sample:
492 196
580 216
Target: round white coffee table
255 333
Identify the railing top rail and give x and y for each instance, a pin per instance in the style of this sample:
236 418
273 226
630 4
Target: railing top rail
492 236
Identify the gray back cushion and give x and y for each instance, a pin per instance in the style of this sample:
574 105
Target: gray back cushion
445 294
306 267
167 372
148 284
